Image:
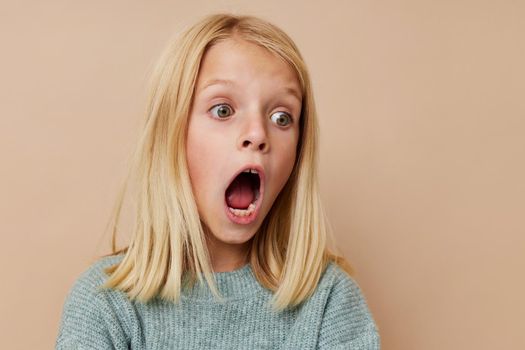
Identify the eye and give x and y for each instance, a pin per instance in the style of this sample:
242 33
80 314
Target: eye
281 118
222 111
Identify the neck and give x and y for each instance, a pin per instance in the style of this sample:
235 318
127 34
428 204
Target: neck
226 257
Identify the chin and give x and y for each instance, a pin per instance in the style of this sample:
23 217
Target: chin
236 237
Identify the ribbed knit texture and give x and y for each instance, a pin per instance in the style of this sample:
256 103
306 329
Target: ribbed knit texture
336 316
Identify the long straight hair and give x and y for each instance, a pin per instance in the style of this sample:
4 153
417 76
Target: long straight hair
289 252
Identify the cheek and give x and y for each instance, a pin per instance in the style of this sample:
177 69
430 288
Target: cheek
285 162
291 155
196 151
204 155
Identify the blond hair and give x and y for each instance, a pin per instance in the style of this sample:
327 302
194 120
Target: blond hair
288 253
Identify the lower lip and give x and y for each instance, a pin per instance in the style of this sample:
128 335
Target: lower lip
244 220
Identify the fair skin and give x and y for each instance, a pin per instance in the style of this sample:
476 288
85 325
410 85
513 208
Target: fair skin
245 111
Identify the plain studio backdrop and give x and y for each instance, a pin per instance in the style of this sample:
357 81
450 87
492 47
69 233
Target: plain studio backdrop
422 114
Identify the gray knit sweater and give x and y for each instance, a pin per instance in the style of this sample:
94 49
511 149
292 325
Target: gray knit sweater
336 316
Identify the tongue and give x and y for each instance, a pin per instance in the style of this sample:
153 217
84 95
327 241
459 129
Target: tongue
240 194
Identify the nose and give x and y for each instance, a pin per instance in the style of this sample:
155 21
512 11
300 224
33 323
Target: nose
254 135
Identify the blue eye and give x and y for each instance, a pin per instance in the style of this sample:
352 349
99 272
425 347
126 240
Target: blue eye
281 118
223 111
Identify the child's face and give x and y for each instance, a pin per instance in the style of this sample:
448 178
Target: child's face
252 120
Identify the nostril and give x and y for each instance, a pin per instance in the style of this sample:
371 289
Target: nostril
261 147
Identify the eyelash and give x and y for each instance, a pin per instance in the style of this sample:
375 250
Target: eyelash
225 104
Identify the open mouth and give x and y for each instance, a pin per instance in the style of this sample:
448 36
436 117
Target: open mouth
242 196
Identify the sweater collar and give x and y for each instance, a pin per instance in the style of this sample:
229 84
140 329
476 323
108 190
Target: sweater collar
237 284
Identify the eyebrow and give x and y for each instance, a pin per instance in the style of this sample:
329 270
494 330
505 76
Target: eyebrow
290 90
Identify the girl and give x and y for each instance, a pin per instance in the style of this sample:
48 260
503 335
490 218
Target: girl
229 248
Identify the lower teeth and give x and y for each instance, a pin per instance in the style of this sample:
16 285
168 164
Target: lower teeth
243 212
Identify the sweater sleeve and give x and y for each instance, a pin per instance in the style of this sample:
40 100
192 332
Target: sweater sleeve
347 322
88 320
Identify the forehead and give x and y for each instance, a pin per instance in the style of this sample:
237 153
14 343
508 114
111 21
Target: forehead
236 61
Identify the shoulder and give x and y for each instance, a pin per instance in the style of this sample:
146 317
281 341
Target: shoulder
94 275
340 284
335 275
89 310
87 286
347 319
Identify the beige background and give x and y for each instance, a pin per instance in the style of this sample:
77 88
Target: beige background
422 152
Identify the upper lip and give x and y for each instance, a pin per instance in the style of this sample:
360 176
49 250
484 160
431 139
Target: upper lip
260 171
